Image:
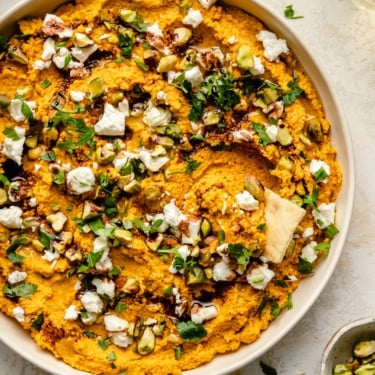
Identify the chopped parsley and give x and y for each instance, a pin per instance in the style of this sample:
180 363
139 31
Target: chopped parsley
126 45
3 43
104 342
331 231
45 84
49 156
304 266
38 322
320 175
190 331
91 260
240 253
264 138
141 65
11 250
11 133
24 290
295 91
192 165
311 200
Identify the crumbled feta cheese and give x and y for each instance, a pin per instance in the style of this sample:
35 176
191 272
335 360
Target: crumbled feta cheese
260 277
156 116
232 40
316 165
37 167
202 313
153 164
13 148
193 18
222 272
115 324
194 76
80 180
19 314
123 107
104 263
123 158
171 76
308 232
164 225
111 123
183 252
15 109
89 318
121 339
242 135
16 277
82 54
207 3
257 67
191 235
273 47
48 49
324 215
308 252
92 302
50 256
63 60
272 131
77 96
104 287
71 313
62 31
155 30
77 285
41 65
161 95
172 215
11 217
246 201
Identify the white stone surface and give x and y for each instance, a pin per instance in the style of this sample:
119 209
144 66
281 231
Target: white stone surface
343 38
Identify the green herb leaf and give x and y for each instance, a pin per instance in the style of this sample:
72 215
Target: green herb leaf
267 370
289 13
105 342
141 65
59 178
320 175
190 331
38 322
221 236
240 253
304 266
178 352
11 250
46 239
111 356
89 334
49 157
264 138
11 133
126 45
4 180
3 43
45 83
168 291
27 112
290 96
331 231
192 166
67 145
323 247
91 260
120 306
311 200
24 290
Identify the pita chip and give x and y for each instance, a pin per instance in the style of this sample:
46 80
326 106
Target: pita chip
282 217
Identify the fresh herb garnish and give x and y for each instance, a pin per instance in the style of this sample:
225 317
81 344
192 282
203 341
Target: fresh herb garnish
192 165
289 13
3 43
264 138
320 175
295 91
59 178
11 250
46 239
126 45
45 83
11 133
49 156
38 322
27 112
178 352
91 260
68 145
240 253
310 200
147 229
323 247
141 65
104 342
331 231
24 290
120 306
190 331
304 266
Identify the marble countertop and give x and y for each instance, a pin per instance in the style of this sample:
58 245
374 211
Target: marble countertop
343 38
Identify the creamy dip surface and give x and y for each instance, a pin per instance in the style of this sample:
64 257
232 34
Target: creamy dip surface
167 179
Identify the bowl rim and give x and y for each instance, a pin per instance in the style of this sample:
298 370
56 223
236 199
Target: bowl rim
288 319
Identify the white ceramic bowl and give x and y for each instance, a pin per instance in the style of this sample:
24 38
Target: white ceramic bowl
340 347
310 288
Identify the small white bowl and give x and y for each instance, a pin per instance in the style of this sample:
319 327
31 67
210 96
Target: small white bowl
340 347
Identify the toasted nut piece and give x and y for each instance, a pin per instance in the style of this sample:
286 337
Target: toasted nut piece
96 87
73 254
181 35
154 242
197 276
35 153
82 40
131 286
133 187
37 245
31 141
284 137
49 135
211 118
306 141
151 57
244 57
286 163
167 63
117 96
3 196
146 343
122 235
152 192
254 187
57 221
364 349
16 54
164 141
290 249
128 15
105 154
90 210
205 227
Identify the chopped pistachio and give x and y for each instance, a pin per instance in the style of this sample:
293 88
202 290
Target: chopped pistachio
181 35
211 118
117 97
146 343
205 227
96 87
244 57
3 196
49 135
105 154
73 254
37 245
196 276
290 249
89 211
128 15
133 187
131 286
286 164
81 40
284 137
254 187
16 54
164 141
296 199
152 192
314 130
155 241
57 221
35 153
306 141
167 63
122 235
364 349
31 141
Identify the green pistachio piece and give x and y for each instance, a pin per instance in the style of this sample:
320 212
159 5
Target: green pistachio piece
81 40
105 154
16 54
146 343
254 187
284 137
123 236
244 57
96 87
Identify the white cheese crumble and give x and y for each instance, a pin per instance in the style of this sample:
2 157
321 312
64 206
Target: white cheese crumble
111 123
16 277
77 96
11 217
183 252
324 215
193 18
19 314
156 116
80 180
273 47
104 287
50 256
232 40
13 148
66 32
41 65
15 109
155 30
308 252
204 313
104 263
316 165
161 95
63 59
172 215
246 201
48 49
257 67
121 339
194 76
92 302
207 3
82 54
71 313
308 232
191 235
272 131
222 272
153 164
260 277
115 324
